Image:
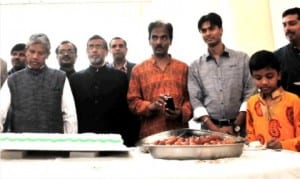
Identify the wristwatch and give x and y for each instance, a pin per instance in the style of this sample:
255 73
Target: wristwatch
236 128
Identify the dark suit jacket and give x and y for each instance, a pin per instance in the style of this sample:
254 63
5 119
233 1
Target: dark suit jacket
129 69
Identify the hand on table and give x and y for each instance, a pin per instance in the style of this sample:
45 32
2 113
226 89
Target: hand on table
226 129
274 144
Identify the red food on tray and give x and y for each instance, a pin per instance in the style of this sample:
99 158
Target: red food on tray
194 140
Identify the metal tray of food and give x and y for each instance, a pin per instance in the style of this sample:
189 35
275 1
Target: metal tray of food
190 152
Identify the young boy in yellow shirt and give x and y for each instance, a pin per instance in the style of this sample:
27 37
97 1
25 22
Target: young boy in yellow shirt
273 114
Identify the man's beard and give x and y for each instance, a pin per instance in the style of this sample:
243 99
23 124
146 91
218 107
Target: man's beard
97 61
18 65
160 53
293 38
119 58
213 44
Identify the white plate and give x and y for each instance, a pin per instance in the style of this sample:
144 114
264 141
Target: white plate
262 147
254 145
297 83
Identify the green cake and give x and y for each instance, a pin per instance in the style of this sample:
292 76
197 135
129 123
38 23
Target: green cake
61 142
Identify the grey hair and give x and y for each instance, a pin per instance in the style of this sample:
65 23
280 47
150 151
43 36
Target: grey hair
40 38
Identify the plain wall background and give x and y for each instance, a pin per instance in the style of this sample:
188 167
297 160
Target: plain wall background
249 25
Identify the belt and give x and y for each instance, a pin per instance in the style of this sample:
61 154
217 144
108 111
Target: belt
223 122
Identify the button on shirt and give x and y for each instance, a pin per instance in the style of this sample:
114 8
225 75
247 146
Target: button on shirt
221 89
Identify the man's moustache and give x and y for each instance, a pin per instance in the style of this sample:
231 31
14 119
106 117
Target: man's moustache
66 58
158 47
289 33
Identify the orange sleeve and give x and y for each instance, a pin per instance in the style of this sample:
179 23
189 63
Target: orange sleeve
249 123
134 98
186 110
294 143
186 106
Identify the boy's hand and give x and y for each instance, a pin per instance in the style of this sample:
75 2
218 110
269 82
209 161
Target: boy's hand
274 144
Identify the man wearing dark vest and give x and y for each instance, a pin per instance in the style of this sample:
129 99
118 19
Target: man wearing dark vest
40 97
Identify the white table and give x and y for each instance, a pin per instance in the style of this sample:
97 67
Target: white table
252 164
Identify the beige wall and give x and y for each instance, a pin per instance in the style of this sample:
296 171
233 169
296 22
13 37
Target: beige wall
258 23
249 25
253 25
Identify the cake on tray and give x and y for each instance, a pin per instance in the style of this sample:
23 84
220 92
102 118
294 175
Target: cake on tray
62 142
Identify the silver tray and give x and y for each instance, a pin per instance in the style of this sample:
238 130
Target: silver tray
189 152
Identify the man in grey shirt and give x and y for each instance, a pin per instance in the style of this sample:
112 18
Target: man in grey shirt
219 82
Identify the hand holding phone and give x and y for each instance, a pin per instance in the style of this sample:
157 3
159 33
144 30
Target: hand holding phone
169 102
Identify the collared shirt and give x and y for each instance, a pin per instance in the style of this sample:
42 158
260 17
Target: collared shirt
221 89
127 68
68 107
289 58
278 118
147 83
122 68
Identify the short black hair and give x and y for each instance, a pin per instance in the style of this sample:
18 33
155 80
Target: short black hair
18 47
118 38
167 25
95 37
214 19
66 42
292 11
263 59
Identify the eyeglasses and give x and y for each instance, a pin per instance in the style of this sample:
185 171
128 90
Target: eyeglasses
69 51
118 45
96 46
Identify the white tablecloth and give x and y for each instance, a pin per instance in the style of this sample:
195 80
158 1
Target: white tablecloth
252 164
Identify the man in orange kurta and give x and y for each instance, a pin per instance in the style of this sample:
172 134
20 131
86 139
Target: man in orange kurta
159 76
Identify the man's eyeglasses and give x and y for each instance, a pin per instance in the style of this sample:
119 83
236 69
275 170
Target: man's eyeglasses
69 51
96 47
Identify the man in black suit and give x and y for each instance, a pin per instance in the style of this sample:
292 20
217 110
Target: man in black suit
100 94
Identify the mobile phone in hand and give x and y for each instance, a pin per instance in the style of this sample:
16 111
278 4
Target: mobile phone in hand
170 103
